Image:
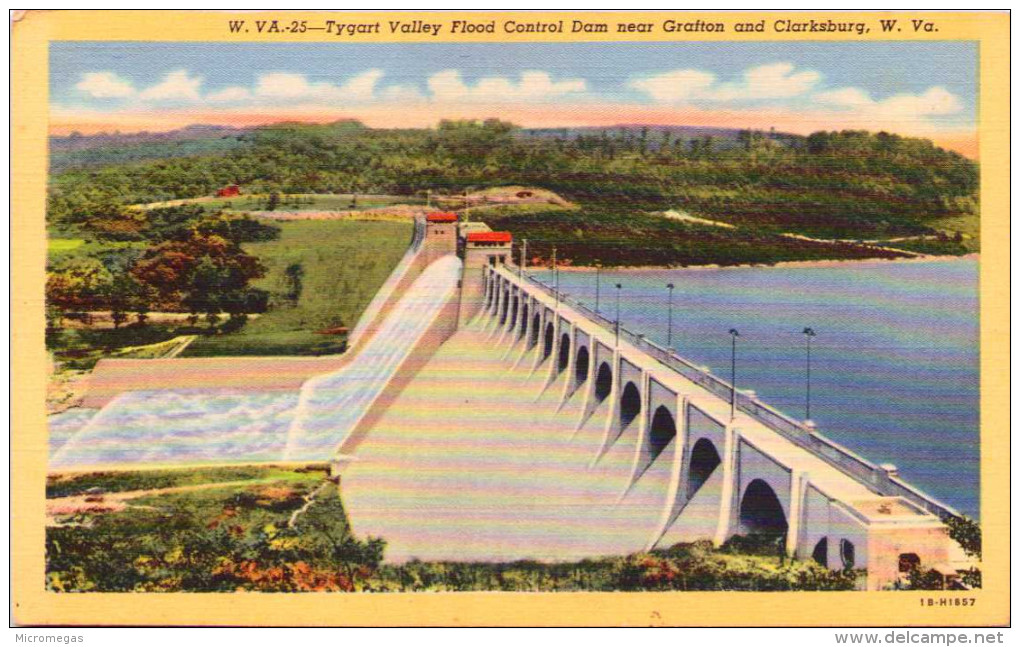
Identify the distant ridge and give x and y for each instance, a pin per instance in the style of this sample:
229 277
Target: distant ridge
84 151
724 137
76 142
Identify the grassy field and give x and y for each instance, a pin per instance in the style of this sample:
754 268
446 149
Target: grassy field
968 226
81 348
300 202
343 263
59 249
77 484
245 536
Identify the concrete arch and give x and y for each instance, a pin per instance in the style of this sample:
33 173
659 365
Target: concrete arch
524 320
504 309
513 311
603 382
821 552
581 363
662 431
563 358
908 562
630 405
550 338
704 459
536 330
702 425
761 513
847 553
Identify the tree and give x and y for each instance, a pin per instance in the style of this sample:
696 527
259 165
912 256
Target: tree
78 285
237 229
293 275
205 273
172 223
121 295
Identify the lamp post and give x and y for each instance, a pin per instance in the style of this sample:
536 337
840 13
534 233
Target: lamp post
598 281
618 288
669 329
733 374
555 278
808 334
524 261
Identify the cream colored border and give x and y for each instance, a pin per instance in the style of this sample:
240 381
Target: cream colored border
33 605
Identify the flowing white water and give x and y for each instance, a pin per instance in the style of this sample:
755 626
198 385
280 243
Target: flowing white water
202 426
330 405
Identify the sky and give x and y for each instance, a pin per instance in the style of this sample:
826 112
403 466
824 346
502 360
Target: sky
924 89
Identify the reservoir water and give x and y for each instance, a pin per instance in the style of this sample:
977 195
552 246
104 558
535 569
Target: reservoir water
894 363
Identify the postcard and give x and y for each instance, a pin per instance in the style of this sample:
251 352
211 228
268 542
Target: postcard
631 318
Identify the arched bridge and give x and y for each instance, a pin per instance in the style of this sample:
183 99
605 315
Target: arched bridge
769 474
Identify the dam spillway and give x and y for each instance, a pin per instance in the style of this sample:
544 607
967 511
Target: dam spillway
479 461
202 426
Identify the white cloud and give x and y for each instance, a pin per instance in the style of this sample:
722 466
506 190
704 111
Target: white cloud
175 86
362 86
401 94
845 98
773 81
776 81
282 85
278 86
933 102
104 85
678 86
537 86
232 94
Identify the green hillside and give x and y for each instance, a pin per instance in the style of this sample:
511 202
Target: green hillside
850 185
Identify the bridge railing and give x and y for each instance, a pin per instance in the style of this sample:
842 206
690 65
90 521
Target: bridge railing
883 480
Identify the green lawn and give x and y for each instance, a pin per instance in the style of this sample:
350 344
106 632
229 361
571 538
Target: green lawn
77 484
58 245
61 249
967 225
343 263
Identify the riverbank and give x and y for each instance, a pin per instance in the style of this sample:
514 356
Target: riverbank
782 264
276 529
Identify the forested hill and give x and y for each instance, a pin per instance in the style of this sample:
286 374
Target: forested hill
81 151
846 185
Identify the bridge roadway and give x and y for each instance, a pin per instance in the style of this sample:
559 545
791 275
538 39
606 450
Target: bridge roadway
535 433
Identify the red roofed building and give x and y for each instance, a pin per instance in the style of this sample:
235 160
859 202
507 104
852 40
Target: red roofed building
441 216
440 234
481 248
229 191
500 237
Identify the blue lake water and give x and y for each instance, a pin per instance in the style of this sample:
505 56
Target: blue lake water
894 365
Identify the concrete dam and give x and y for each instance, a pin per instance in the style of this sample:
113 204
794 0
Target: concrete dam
508 423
